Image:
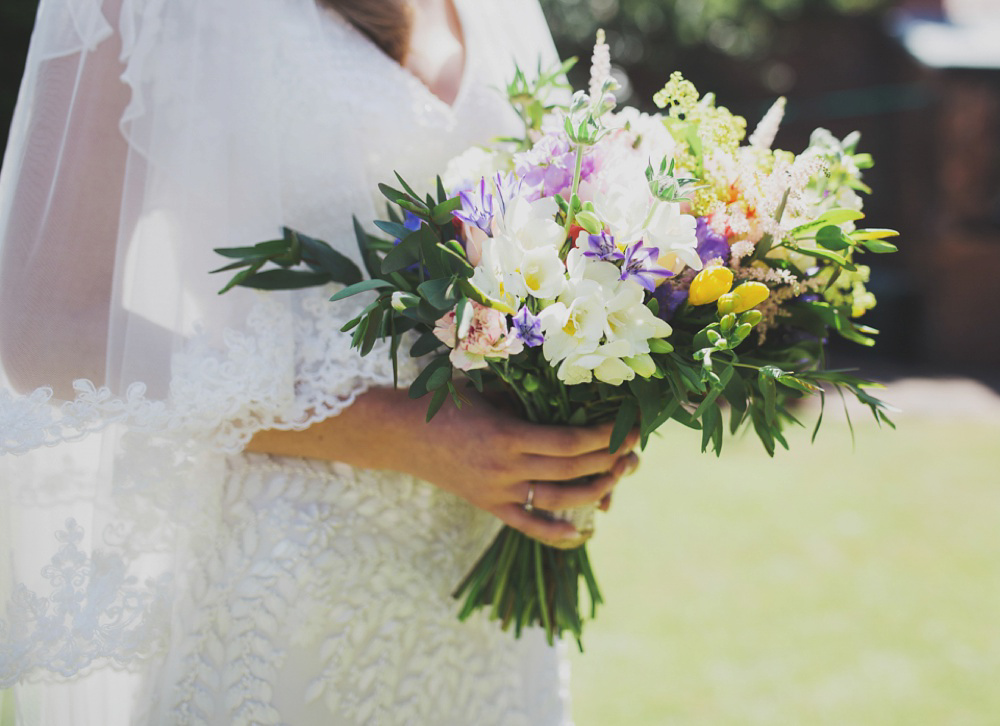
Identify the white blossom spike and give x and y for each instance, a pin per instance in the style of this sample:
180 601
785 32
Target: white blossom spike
600 66
763 136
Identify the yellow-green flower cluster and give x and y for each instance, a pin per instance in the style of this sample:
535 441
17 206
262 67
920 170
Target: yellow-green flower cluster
716 125
849 290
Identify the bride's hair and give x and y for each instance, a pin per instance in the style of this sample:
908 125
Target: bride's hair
386 22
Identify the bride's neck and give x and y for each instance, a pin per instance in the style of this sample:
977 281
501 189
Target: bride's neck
436 52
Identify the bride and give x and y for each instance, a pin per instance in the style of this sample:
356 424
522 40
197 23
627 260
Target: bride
211 510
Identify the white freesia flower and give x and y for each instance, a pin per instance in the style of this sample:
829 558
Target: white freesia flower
532 224
633 214
576 322
543 273
497 273
628 319
673 233
622 201
605 363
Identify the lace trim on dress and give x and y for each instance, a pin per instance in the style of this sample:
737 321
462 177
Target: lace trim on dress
95 613
293 368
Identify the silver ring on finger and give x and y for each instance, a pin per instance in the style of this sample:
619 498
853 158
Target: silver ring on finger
529 502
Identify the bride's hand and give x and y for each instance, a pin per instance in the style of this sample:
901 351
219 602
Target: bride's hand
481 453
494 459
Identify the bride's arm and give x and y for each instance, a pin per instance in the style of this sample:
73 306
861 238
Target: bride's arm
60 235
483 454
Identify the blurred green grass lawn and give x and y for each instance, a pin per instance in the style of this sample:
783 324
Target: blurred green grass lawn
831 585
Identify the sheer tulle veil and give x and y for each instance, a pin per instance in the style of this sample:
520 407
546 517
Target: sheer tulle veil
147 133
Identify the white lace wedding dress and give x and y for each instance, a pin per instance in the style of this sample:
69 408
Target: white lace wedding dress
168 578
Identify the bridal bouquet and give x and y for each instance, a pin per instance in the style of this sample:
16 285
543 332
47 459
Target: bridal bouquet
611 266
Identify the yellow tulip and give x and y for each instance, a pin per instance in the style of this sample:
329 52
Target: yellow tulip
743 297
710 284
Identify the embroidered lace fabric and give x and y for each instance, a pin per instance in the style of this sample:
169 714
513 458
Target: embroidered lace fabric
171 578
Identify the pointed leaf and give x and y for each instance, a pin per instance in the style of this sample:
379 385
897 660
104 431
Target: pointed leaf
426 343
832 238
281 279
626 419
359 287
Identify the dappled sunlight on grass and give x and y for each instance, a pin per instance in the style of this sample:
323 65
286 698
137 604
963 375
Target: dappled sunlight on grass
830 585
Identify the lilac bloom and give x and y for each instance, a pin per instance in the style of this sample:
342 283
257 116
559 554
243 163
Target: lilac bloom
640 265
477 207
528 328
547 168
602 247
710 244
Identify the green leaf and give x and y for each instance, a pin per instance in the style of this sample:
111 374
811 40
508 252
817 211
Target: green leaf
321 257
707 403
456 260
426 343
768 387
833 238
373 332
406 187
474 293
419 386
763 429
827 255
281 279
261 249
232 266
832 216
796 383
712 430
437 400
359 287
628 413
441 214
476 376
879 246
439 378
841 322
368 256
442 293
406 253
394 229
239 277
860 235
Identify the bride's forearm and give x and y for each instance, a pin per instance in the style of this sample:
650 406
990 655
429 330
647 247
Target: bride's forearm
364 435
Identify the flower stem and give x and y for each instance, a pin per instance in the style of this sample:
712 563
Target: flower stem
577 171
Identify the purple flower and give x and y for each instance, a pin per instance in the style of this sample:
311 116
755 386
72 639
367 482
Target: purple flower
669 300
710 244
640 265
411 222
508 186
477 207
547 168
528 328
602 247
